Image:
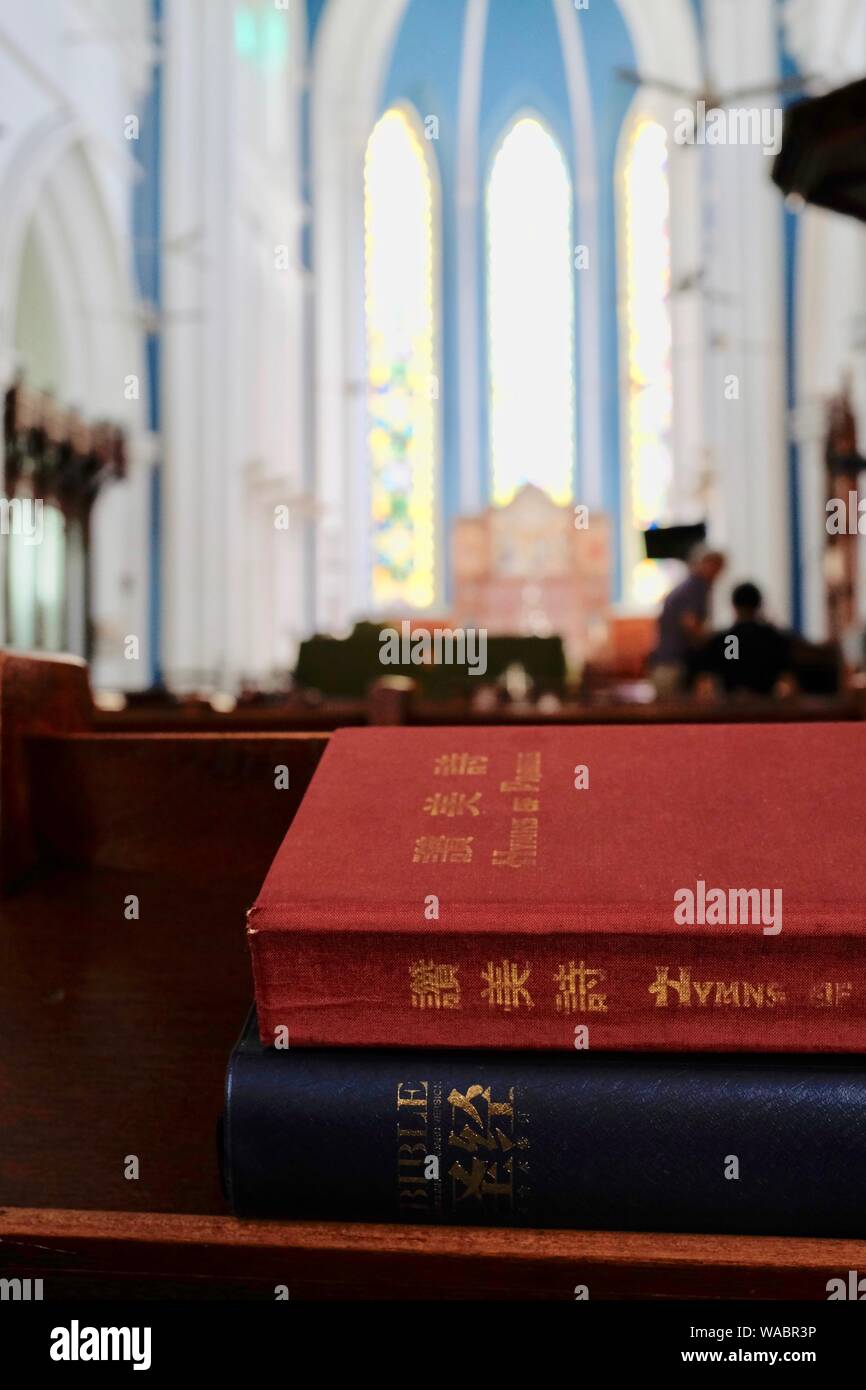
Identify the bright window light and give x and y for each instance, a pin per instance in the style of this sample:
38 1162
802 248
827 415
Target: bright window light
530 275
402 385
648 337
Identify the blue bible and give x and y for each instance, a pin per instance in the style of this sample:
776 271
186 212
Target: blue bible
634 1141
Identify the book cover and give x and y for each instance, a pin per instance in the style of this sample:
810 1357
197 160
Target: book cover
718 1143
669 887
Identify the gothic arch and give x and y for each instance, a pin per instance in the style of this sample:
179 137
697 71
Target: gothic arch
350 59
59 212
52 193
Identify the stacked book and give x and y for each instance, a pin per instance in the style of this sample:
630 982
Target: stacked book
591 977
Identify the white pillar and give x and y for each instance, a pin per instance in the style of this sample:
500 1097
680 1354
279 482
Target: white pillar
746 324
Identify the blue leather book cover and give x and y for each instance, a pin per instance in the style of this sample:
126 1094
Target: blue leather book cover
711 1143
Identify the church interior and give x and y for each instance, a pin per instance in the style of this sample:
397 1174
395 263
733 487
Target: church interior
437 363
291 352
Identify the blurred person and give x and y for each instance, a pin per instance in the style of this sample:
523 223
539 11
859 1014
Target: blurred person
683 622
758 662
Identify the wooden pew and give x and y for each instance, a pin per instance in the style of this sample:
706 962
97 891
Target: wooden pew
398 700
118 1028
200 717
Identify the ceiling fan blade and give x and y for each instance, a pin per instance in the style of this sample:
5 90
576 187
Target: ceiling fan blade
786 84
794 84
659 83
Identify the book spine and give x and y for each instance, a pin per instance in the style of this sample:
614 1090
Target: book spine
632 1142
658 993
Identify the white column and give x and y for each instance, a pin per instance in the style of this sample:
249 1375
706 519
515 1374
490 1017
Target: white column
351 53
184 302
745 266
202 511
469 199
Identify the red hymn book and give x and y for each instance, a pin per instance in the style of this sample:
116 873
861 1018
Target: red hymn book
662 888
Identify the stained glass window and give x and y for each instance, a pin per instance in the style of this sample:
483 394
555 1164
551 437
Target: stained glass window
648 341
402 381
530 315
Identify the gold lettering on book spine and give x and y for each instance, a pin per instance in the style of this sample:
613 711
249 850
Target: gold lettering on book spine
481 1123
413 1192
434 986
506 985
577 989
687 992
830 994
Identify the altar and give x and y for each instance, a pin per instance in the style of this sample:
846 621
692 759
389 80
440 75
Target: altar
532 568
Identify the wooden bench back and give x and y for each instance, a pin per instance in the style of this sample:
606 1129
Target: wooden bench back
200 802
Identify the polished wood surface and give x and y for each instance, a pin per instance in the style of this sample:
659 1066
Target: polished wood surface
102 1253
35 696
199 717
802 709
120 1031
167 802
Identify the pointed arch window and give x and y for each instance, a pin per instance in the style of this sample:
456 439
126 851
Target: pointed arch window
530 314
402 330
648 367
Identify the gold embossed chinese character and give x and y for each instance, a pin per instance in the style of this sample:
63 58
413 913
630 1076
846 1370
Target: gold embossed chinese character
478 1131
489 1125
434 986
577 989
506 986
484 1179
443 849
460 765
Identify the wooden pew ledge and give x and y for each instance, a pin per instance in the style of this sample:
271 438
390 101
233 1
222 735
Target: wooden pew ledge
322 1259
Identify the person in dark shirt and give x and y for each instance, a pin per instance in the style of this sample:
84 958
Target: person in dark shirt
683 620
752 655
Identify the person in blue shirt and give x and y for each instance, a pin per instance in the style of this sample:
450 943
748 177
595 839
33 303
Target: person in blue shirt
683 622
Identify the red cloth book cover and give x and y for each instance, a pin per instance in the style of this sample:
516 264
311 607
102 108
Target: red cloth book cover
669 887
